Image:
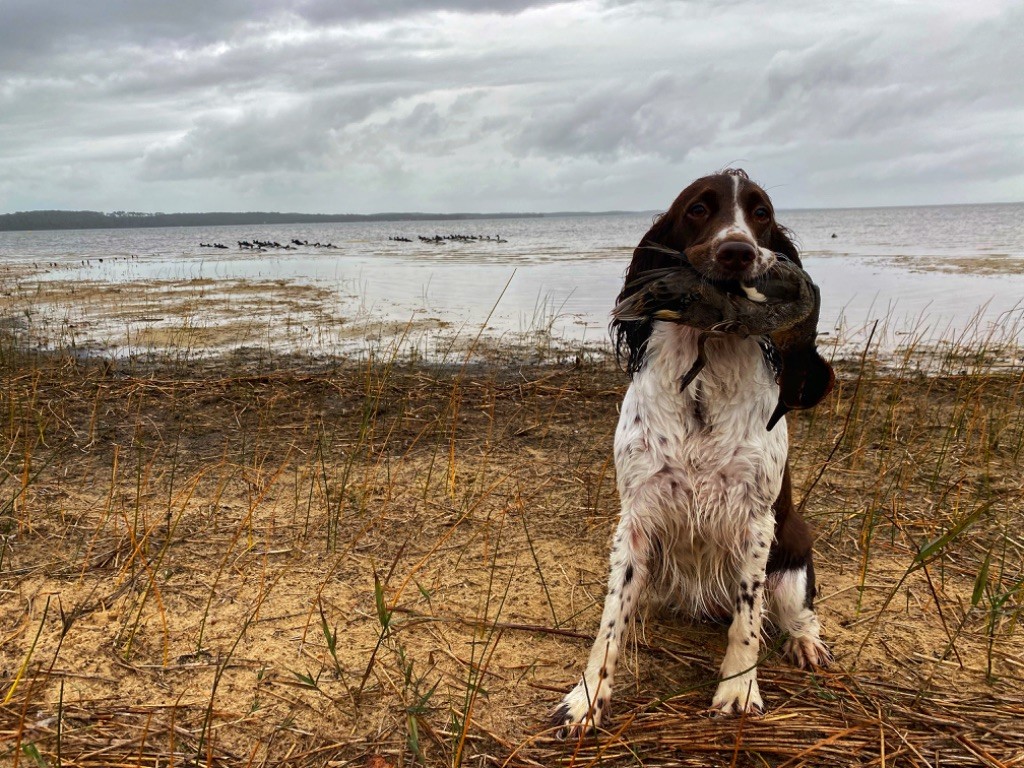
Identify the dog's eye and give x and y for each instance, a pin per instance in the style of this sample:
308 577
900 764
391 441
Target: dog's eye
697 209
762 214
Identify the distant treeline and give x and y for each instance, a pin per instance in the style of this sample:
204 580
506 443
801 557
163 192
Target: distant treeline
38 220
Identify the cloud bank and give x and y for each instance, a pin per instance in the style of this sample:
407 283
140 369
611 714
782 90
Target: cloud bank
505 104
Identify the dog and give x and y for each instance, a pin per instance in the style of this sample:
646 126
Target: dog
707 522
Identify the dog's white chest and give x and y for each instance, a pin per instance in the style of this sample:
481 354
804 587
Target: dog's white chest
697 466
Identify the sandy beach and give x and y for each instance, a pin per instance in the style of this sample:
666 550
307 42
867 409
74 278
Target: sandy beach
280 560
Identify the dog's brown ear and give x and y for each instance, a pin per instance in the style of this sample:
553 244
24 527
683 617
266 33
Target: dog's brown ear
653 252
806 378
810 379
659 249
805 381
780 240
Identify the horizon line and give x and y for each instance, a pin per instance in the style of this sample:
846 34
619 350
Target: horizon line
474 214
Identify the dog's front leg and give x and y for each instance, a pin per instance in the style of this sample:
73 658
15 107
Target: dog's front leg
587 704
737 691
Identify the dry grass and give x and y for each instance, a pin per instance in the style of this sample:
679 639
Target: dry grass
276 562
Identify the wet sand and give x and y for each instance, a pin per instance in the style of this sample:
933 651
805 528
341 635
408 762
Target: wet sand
120 308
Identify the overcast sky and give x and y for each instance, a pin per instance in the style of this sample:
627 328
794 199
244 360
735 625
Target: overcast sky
361 106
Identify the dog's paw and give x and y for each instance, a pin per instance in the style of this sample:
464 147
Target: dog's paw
736 695
806 651
576 716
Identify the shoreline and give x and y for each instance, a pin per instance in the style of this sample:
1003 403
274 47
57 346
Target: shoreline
68 220
198 318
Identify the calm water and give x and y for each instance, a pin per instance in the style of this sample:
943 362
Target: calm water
931 271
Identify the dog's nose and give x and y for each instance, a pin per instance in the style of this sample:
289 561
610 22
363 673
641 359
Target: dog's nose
735 255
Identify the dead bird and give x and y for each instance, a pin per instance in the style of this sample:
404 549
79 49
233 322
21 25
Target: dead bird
782 305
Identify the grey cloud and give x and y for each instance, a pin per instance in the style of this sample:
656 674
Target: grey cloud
261 140
835 84
430 104
248 145
621 118
910 105
34 30
380 127
325 11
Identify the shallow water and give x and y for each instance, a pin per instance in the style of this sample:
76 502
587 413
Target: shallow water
934 273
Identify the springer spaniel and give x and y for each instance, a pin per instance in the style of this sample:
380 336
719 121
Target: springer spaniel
707 521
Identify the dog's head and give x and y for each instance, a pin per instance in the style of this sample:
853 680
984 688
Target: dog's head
725 226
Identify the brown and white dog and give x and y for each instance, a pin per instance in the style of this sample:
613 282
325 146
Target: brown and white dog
707 522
